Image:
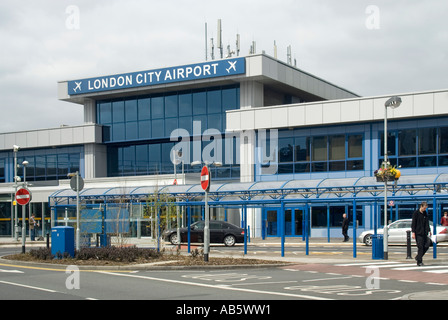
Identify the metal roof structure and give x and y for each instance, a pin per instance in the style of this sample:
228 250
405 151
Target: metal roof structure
364 189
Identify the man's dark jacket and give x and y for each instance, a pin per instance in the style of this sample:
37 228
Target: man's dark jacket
420 223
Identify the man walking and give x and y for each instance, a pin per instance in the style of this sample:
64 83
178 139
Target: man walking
420 230
345 223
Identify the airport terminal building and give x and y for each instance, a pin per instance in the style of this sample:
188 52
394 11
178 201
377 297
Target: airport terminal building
294 151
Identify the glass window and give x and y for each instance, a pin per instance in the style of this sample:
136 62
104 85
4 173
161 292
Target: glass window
443 160
105 112
171 106
302 149
74 162
427 138
407 142
443 140
203 120
285 168
337 147
141 159
186 123
391 143
285 149
157 108
214 101
185 104
319 166
230 99
302 167
40 166
355 146
170 126
214 121
63 165
131 130
129 160
167 165
52 164
158 128
144 109
319 217
2 170
407 162
427 161
131 110
355 165
337 166
155 157
199 103
118 111
319 147
118 132
144 129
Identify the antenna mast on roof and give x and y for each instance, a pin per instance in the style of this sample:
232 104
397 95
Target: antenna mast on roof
219 38
237 44
289 55
206 47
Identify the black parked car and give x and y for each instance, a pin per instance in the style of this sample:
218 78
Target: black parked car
220 232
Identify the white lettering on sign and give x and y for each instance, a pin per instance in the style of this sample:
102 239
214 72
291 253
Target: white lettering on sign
145 78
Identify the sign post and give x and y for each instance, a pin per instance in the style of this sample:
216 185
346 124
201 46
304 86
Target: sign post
77 184
205 184
23 197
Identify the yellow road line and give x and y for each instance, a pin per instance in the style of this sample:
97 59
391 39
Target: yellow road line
61 269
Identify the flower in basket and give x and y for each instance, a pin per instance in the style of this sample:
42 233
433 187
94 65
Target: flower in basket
387 172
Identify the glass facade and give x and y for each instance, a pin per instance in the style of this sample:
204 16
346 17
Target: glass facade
137 129
43 164
156 116
304 154
416 147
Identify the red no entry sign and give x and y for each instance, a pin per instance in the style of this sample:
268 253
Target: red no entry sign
23 196
205 178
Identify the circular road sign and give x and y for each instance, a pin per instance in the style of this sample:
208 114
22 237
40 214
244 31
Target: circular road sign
205 178
23 196
80 183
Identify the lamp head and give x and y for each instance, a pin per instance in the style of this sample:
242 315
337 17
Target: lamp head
393 102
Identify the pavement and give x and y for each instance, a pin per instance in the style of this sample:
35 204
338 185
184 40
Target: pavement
294 253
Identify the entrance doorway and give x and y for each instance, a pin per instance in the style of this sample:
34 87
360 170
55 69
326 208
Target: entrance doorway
293 222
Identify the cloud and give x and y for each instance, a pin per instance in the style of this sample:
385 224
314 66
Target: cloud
407 52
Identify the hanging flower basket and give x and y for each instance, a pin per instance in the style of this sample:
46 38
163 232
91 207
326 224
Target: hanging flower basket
387 173
385 178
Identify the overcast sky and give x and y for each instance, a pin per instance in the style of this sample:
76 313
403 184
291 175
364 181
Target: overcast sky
369 47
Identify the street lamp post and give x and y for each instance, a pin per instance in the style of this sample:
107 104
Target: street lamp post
392 103
77 186
16 226
24 163
177 155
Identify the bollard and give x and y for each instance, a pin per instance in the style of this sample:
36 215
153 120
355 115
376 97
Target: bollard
48 240
408 244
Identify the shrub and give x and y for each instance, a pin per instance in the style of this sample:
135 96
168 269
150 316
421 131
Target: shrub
118 254
42 254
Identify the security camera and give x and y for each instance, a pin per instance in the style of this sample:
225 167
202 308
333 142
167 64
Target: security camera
16 148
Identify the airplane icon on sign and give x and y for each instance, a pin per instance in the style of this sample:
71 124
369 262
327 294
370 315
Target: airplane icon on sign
78 86
232 66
